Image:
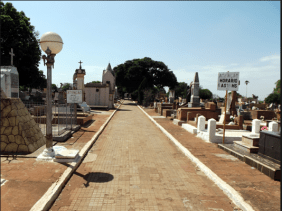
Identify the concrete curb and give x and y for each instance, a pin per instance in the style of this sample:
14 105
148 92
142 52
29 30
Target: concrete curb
227 189
44 203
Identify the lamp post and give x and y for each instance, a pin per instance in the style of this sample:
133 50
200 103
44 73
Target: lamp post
75 105
51 43
246 89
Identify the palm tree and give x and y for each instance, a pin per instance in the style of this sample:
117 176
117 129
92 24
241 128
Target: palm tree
246 82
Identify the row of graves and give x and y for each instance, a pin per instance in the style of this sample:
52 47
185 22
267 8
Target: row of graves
23 115
248 130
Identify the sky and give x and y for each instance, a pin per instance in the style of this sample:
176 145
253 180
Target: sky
207 37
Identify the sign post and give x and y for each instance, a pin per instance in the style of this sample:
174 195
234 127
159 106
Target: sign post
74 96
227 81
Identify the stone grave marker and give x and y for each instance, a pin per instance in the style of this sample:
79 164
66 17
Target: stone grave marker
10 81
211 128
255 126
201 123
195 98
273 126
171 96
61 98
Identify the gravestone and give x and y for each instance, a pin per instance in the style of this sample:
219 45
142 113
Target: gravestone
255 126
61 99
171 96
195 89
273 127
188 96
269 145
211 129
10 81
201 124
56 97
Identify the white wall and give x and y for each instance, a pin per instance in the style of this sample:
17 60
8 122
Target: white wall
108 76
97 98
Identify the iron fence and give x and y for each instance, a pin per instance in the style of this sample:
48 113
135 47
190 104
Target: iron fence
63 117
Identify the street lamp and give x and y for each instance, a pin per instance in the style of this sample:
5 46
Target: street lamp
51 43
246 82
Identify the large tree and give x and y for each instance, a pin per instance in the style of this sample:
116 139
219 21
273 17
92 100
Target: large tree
205 94
181 90
275 96
137 75
18 33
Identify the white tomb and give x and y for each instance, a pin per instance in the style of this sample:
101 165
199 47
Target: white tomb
255 126
273 126
10 81
201 123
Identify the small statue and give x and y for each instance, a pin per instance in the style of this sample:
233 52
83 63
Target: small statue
188 96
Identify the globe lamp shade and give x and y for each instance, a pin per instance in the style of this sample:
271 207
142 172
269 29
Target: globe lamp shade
51 40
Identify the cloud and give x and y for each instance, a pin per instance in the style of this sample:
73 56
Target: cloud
272 58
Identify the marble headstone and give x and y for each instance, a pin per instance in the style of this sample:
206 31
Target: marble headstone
10 81
171 96
195 89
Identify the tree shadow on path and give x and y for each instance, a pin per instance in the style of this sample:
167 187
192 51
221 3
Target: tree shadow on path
96 177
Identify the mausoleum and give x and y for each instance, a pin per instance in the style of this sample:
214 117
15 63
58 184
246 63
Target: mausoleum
102 94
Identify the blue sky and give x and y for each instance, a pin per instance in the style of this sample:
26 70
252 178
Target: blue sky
188 36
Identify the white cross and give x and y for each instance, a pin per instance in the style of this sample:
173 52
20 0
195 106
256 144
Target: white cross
12 54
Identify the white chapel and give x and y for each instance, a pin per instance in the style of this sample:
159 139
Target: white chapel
101 94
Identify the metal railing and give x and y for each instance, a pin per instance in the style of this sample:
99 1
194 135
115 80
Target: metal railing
63 117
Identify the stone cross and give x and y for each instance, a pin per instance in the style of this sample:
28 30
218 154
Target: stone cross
80 64
12 54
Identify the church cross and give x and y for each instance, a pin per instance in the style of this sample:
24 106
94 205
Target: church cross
80 64
12 54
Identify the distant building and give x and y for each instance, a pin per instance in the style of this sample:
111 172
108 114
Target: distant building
102 94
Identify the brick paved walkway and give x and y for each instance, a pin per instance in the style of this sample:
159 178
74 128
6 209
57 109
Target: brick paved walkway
133 166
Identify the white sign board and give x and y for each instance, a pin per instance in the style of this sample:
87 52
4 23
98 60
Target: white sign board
74 96
228 81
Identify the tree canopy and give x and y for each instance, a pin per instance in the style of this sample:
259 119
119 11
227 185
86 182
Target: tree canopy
278 86
141 74
181 90
66 86
18 33
205 94
275 96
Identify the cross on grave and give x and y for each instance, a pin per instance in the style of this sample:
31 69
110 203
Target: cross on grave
12 54
80 64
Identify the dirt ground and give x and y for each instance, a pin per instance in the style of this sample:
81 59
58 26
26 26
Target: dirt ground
28 179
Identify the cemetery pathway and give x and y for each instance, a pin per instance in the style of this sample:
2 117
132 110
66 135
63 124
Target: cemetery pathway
134 166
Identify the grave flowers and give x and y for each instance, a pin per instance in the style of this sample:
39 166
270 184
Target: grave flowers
264 128
232 118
